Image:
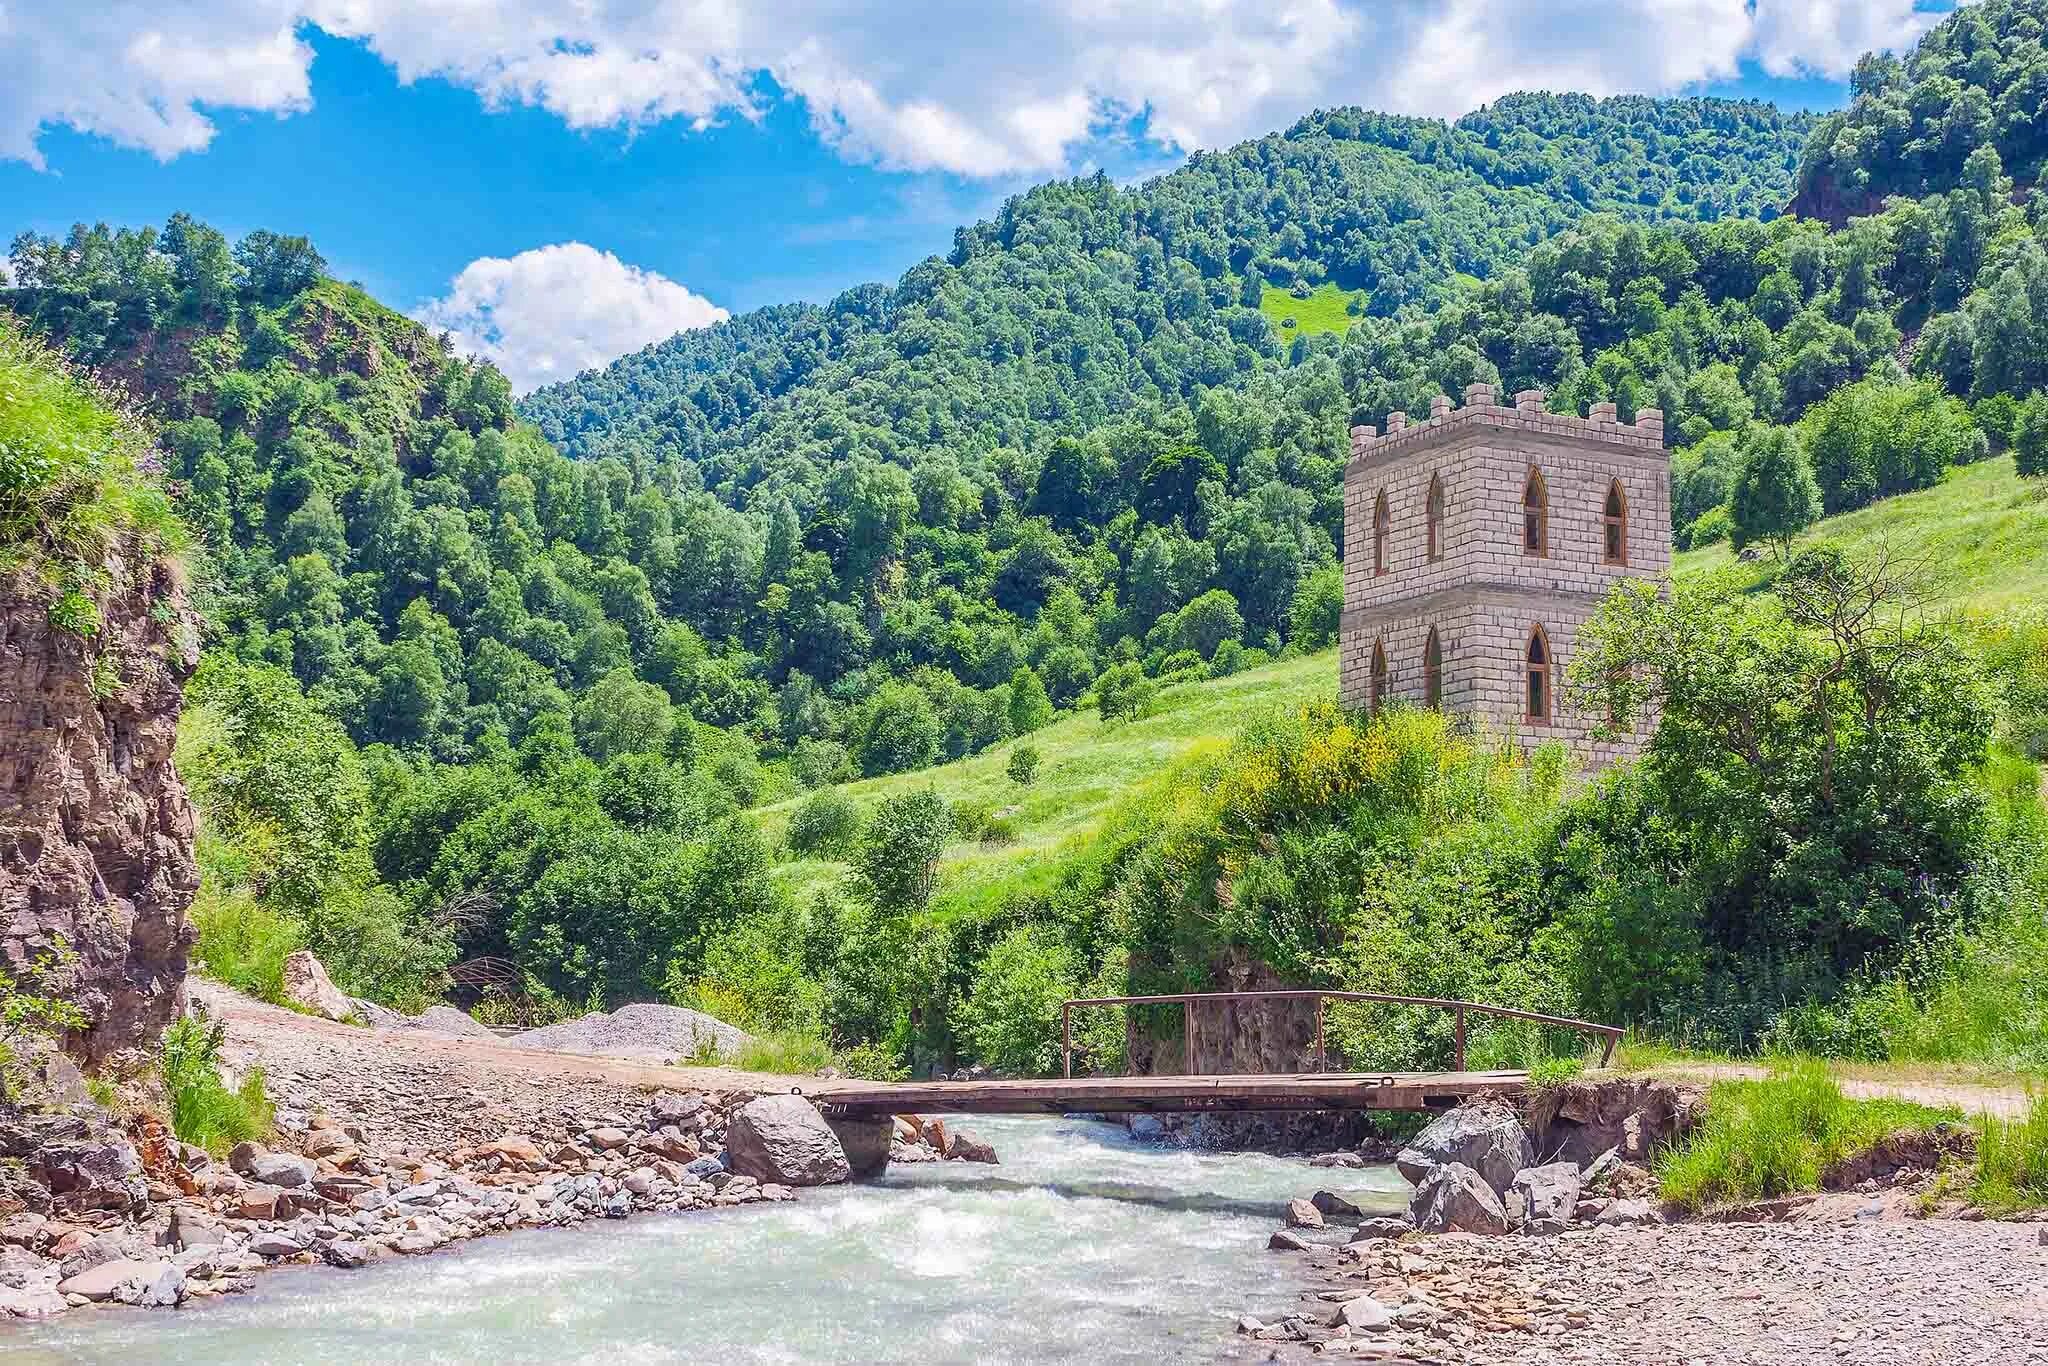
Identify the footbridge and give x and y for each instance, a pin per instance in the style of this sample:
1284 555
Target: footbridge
1192 1090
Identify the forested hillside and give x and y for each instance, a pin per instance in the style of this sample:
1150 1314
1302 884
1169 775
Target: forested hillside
472 696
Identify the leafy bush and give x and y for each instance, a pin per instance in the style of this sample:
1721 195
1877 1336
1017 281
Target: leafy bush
999 830
1778 1135
203 1110
1023 765
32 1006
824 824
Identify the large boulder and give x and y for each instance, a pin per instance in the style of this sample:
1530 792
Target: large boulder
1453 1198
865 1143
785 1140
1549 1194
1486 1137
307 986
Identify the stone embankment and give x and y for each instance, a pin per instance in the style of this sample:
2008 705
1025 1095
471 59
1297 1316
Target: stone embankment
1539 1238
397 1142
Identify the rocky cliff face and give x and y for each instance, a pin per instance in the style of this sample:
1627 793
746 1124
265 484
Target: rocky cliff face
95 828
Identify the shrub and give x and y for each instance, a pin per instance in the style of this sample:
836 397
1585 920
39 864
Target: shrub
971 818
1715 524
896 866
999 830
1778 1135
825 824
2030 435
203 1110
1011 1015
1229 659
819 763
1023 765
1179 665
31 1006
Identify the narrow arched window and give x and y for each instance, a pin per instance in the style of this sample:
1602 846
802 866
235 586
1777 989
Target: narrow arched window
1538 676
1614 525
1378 694
1382 532
1436 518
1432 670
1535 515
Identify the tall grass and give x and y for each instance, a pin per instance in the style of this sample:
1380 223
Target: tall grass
243 943
203 1110
785 1053
1779 1134
71 481
2012 1161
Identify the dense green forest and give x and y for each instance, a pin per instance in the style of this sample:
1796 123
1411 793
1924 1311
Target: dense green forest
471 694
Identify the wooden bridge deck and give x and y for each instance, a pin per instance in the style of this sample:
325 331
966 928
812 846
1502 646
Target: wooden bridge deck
1120 1095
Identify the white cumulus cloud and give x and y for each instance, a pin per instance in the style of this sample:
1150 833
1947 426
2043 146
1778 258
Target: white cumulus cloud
546 314
1004 87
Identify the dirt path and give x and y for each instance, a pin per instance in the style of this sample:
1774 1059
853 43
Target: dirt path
1971 1097
415 1089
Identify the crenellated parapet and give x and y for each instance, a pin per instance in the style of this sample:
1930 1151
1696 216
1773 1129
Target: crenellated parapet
1481 410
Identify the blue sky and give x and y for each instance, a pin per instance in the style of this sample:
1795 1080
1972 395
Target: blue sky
702 167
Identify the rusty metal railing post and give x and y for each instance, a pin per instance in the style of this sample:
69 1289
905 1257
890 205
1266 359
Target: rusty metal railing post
1187 1025
1322 1053
1460 1054
1067 1038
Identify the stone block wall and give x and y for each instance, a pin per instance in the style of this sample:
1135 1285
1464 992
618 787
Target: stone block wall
1482 592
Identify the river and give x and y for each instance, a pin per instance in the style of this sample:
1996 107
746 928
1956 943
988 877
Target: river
1082 1246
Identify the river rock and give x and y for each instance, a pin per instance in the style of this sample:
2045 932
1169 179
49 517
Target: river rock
109 1280
274 1245
1284 1241
1549 1194
1303 1214
307 985
1486 1137
1455 1199
1331 1203
1365 1314
92 1173
784 1139
1349 1160
1147 1128
865 1143
962 1146
1371 1230
686 1112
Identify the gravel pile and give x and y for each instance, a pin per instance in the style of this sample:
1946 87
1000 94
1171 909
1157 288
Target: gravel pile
449 1020
649 1033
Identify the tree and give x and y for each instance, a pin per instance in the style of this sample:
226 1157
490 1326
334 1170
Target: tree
2030 435
623 715
896 866
894 731
1030 707
1011 1014
1811 762
1774 497
274 267
1317 612
1207 622
1123 693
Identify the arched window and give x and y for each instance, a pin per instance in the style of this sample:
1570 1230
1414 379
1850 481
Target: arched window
1436 518
1538 677
1432 670
1535 515
1379 675
1614 526
1382 531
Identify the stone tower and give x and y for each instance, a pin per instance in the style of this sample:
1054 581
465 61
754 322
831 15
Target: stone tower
1477 543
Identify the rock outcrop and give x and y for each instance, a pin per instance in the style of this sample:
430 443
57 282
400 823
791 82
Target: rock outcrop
1486 1137
1634 1116
307 985
95 827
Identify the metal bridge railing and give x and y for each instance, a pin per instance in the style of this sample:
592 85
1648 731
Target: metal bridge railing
1610 1034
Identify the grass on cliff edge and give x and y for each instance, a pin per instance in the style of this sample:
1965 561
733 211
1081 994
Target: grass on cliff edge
71 477
1779 1134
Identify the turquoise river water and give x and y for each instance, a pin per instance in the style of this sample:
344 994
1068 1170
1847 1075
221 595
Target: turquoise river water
1083 1246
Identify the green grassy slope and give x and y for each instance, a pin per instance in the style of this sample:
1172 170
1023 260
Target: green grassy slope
1980 537
1084 768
